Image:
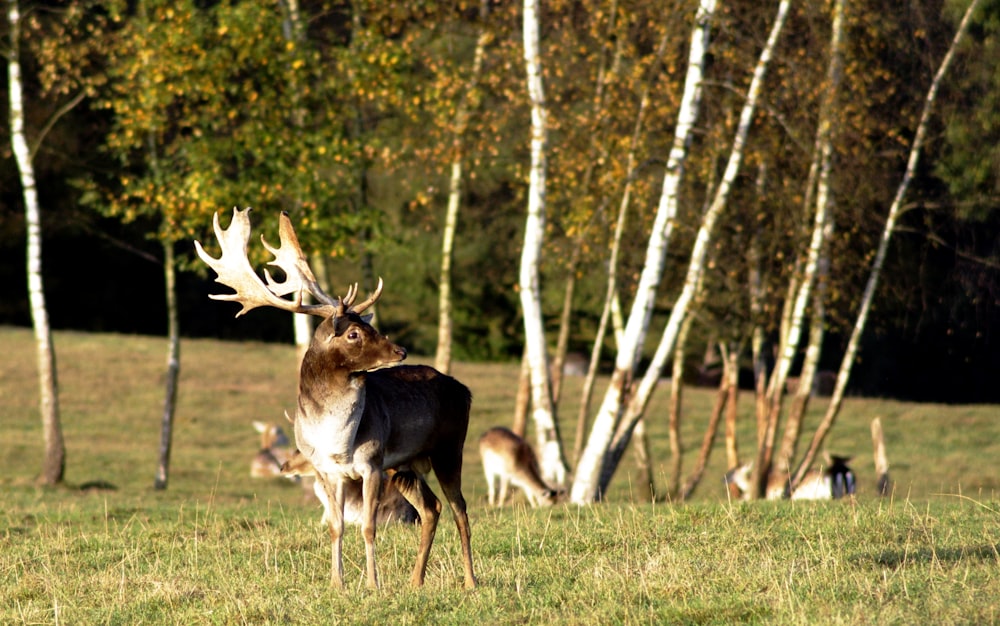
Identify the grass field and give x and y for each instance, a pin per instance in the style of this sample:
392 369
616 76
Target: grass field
220 547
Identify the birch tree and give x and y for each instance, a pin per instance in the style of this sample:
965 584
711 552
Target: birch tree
291 29
552 462
608 442
585 484
54 460
467 103
817 249
611 309
843 375
643 392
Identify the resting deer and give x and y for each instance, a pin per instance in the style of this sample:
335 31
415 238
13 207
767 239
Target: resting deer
508 459
273 450
392 506
352 422
832 482
275 459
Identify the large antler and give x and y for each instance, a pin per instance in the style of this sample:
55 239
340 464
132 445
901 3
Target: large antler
234 271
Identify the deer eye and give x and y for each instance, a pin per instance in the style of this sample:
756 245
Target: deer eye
352 335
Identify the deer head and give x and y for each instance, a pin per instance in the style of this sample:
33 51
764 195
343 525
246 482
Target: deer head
344 339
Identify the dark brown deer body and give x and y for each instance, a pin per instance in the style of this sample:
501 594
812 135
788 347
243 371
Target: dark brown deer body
353 423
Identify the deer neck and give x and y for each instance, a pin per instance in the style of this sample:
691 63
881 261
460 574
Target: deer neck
331 406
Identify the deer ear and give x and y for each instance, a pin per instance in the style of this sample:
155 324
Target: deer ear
367 319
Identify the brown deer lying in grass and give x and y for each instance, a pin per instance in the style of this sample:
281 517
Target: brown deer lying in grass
273 452
509 459
836 480
275 459
353 419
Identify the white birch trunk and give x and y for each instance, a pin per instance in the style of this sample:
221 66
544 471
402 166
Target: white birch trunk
551 458
818 243
890 224
54 462
442 358
173 368
291 29
642 394
587 478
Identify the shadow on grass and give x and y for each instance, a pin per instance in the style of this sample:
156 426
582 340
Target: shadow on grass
897 558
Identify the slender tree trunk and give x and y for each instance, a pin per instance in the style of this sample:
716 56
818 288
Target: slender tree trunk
708 441
565 320
611 303
810 365
54 461
586 394
597 153
291 29
819 243
732 450
173 367
883 485
553 464
890 224
442 356
173 320
676 406
587 481
469 101
522 401
643 392
644 464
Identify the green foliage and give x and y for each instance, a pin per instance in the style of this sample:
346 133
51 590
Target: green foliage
970 159
217 106
347 122
219 547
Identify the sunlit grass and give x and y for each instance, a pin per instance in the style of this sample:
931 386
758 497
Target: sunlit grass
220 547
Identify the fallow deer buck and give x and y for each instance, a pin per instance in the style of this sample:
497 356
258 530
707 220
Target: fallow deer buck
508 459
353 422
274 459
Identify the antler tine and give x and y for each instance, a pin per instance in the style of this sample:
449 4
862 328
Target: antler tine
352 294
344 304
372 299
288 256
234 271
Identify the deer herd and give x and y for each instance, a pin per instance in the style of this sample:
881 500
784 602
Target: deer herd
368 430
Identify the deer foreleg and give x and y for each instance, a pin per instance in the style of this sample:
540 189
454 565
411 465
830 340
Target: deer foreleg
417 493
333 487
491 490
371 488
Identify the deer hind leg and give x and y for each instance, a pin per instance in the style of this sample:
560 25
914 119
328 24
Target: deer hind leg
416 491
333 504
504 487
448 469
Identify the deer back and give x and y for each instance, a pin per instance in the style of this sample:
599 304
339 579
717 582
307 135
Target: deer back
414 412
504 452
